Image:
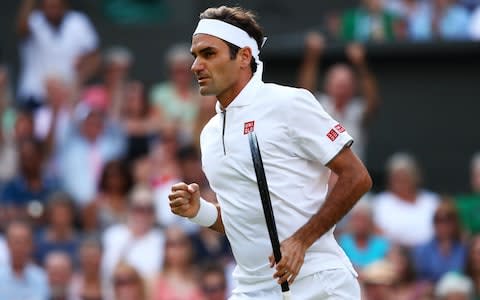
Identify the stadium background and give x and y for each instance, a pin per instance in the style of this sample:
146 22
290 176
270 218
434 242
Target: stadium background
430 91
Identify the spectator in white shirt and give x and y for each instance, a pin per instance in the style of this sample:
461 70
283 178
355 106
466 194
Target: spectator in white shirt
53 39
137 242
404 212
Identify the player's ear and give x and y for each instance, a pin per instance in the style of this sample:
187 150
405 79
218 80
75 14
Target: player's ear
245 56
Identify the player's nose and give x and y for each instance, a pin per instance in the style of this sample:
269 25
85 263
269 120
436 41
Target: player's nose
197 66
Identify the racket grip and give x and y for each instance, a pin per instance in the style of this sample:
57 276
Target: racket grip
286 295
285 287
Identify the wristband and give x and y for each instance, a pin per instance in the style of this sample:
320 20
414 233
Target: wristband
207 214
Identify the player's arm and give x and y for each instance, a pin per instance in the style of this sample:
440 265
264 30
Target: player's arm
353 181
185 201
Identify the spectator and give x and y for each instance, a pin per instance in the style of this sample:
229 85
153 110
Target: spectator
404 212
472 265
21 279
26 194
360 243
53 120
178 278
86 283
439 19
110 206
91 142
209 245
446 251
4 255
137 241
474 26
141 121
128 283
7 148
340 99
163 158
53 39
176 99
213 282
206 111
59 233
370 21
454 286
58 266
468 205
406 285
22 129
190 170
111 93
377 279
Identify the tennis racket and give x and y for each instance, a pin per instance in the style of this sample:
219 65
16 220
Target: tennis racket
267 205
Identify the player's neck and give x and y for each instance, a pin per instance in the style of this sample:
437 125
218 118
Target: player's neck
231 93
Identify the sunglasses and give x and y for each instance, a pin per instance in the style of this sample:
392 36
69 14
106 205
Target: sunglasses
213 288
90 298
176 243
124 280
444 218
142 209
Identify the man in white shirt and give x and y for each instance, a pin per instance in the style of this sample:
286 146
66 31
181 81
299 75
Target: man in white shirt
54 40
300 144
353 106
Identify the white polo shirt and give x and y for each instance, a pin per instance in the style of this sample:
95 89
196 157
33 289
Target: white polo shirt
49 50
297 138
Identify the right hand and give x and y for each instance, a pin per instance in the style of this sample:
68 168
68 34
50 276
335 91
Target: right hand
185 199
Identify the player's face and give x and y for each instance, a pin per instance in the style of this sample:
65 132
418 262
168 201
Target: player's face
216 72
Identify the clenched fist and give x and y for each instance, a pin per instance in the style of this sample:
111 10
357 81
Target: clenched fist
185 199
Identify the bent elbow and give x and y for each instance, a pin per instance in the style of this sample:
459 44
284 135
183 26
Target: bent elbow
366 182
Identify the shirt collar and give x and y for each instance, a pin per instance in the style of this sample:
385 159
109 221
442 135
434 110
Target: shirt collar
246 95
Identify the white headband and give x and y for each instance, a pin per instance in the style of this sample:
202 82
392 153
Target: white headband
229 33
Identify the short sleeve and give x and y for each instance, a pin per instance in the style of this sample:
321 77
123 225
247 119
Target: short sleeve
315 134
86 33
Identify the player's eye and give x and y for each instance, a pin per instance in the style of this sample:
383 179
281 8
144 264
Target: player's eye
209 54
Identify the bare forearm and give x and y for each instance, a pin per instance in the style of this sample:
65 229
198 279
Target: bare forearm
88 65
218 225
369 90
346 192
22 20
307 76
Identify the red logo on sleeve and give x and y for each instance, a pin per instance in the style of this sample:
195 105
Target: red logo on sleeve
248 127
332 135
339 128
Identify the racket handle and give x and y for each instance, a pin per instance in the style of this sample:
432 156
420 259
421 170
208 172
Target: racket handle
285 287
286 295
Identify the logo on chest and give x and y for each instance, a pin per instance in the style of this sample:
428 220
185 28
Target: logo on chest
248 127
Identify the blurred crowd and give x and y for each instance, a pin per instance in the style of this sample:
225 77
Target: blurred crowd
411 20
88 155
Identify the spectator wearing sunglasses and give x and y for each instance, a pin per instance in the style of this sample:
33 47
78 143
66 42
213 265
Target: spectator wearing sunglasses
446 251
213 282
128 284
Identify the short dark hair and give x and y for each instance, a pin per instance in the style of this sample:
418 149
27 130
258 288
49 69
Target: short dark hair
123 170
241 18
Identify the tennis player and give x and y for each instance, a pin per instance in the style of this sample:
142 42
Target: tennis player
301 145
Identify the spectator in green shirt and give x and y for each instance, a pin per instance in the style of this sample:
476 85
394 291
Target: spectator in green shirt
368 22
468 205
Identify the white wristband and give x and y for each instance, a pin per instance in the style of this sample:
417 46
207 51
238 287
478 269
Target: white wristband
207 214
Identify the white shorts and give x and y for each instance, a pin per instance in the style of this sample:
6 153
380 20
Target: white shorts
334 284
